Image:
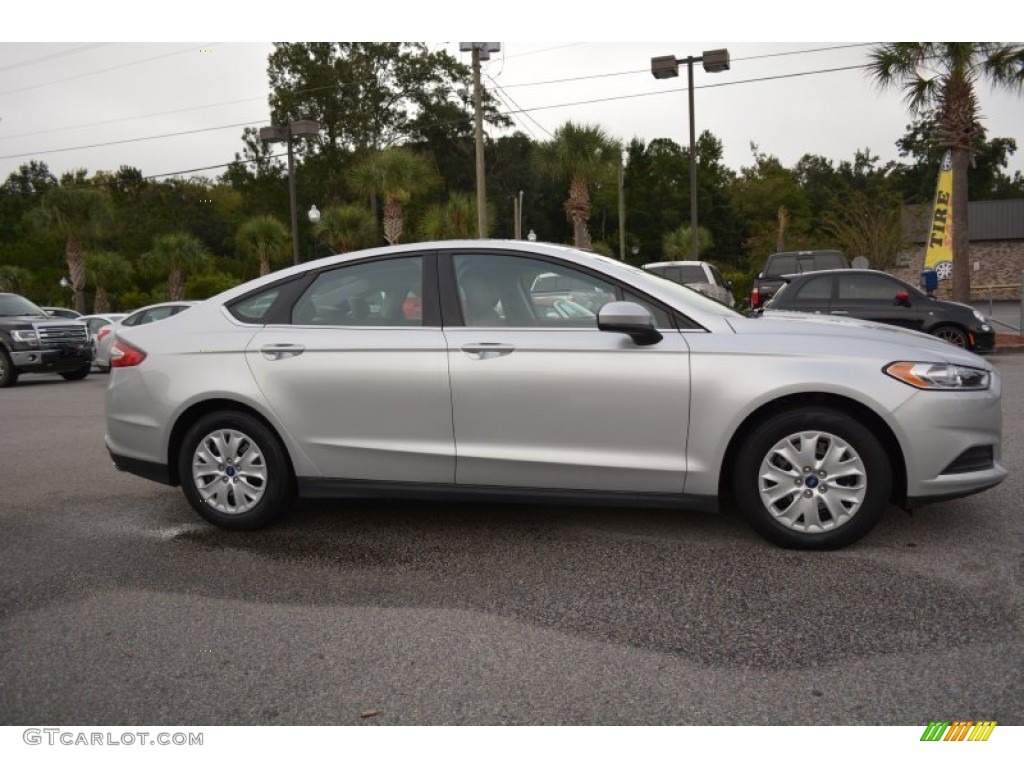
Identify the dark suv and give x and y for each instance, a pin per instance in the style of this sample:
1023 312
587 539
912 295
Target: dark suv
32 341
872 295
789 263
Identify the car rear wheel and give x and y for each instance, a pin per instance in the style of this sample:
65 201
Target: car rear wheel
955 336
78 375
812 479
8 373
234 471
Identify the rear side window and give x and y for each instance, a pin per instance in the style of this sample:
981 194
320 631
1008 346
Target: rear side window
376 293
817 289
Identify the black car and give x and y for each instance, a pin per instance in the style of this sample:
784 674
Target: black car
872 295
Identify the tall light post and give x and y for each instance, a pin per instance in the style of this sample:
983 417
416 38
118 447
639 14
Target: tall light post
663 67
272 133
481 52
313 214
622 205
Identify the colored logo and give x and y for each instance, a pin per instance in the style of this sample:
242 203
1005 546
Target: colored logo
961 730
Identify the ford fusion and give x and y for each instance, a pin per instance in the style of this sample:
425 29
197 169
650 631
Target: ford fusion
439 371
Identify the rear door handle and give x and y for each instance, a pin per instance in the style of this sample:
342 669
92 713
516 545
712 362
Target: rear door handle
839 312
486 350
281 351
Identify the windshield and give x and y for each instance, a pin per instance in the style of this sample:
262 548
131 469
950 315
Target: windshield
12 305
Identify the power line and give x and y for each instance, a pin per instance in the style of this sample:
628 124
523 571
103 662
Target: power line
55 55
341 85
503 95
100 71
510 113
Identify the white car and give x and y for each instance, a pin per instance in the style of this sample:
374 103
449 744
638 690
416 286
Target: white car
700 275
105 336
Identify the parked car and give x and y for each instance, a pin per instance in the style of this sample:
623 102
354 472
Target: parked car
873 295
70 314
106 335
788 263
700 275
31 341
96 324
571 288
287 385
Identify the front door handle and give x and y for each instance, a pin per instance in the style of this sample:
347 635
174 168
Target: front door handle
839 312
281 351
486 350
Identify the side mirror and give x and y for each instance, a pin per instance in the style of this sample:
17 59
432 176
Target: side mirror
902 298
631 319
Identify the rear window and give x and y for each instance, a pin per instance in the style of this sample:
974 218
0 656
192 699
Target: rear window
794 263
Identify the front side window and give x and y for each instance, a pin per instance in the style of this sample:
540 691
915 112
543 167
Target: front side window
374 293
518 291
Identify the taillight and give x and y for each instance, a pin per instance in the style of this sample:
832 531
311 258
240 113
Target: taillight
124 355
103 332
755 297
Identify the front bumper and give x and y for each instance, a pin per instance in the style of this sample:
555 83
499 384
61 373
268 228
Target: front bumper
52 360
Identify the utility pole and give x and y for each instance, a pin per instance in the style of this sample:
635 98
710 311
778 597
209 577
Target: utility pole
481 52
622 207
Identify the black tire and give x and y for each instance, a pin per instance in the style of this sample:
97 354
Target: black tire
8 373
953 334
856 471
251 497
78 375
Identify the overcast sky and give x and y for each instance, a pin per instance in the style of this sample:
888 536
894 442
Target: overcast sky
169 107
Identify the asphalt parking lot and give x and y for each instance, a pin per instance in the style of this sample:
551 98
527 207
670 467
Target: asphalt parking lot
118 606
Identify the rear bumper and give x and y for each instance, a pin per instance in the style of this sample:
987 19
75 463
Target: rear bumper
150 470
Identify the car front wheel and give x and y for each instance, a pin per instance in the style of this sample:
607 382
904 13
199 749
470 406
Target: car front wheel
953 335
8 373
234 471
812 479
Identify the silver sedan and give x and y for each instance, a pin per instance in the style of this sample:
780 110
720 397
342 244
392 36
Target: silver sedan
435 370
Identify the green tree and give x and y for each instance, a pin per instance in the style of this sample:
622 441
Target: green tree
583 154
176 255
453 220
265 239
75 213
108 271
866 223
941 79
14 279
676 245
396 174
346 228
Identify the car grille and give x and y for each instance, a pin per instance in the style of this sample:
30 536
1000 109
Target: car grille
59 335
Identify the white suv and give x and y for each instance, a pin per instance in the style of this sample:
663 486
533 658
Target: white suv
699 275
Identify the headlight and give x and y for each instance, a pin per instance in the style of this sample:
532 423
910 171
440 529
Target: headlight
945 376
26 337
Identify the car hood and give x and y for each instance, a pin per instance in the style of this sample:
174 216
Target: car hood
778 322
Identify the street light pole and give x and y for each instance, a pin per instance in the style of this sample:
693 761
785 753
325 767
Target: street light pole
481 52
663 67
287 133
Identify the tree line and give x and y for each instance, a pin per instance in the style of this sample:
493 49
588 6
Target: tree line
394 163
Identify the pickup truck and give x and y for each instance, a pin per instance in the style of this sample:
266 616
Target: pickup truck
32 341
791 263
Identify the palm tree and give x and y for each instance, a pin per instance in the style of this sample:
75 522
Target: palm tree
14 279
107 271
346 228
677 246
453 220
265 239
396 174
583 154
75 213
940 79
175 255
